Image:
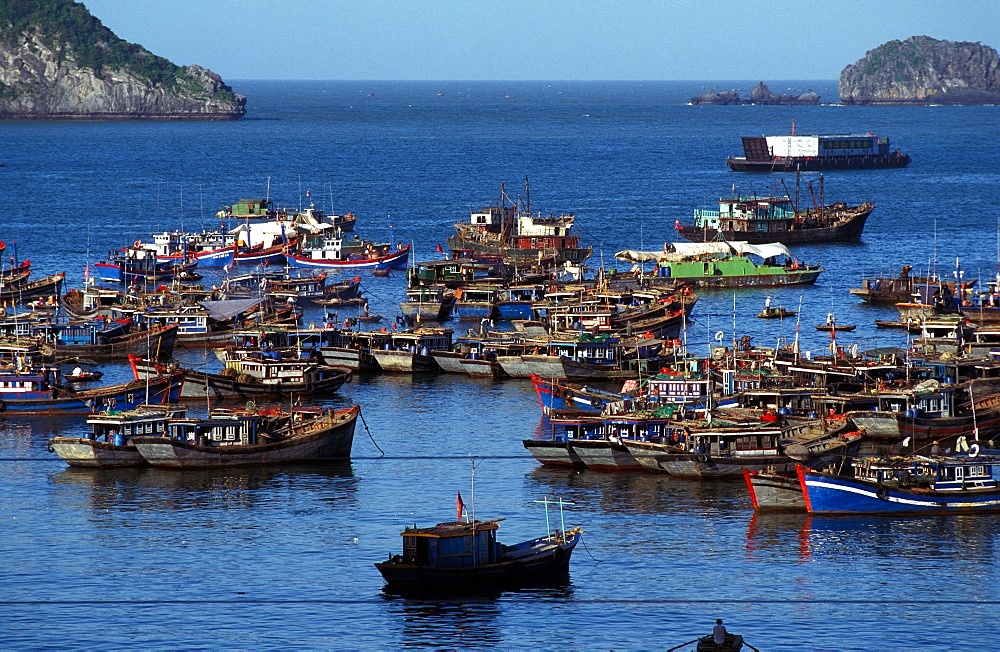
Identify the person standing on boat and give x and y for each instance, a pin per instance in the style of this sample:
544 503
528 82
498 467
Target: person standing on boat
719 632
767 304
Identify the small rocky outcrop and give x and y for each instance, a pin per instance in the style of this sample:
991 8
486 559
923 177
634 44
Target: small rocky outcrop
760 94
923 70
59 62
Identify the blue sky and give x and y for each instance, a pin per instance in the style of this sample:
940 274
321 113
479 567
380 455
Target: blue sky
531 40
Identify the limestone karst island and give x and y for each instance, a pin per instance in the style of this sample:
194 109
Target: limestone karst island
57 61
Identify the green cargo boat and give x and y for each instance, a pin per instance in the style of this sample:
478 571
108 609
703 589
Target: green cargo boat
724 264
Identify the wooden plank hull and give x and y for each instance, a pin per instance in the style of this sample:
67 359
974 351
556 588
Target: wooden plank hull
326 438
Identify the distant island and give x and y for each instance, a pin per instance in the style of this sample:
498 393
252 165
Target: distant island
923 70
760 94
57 61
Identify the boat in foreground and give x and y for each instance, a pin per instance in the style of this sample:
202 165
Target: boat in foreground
109 443
465 555
239 438
910 485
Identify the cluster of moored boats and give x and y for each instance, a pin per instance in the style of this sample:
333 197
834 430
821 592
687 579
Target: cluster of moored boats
879 431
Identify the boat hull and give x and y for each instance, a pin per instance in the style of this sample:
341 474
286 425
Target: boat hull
89 453
848 231
158 344
316 442
828 494
553 453
546 564
126 396
818 163
394 260
771 492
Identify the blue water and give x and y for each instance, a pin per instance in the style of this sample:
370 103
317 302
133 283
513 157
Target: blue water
283 558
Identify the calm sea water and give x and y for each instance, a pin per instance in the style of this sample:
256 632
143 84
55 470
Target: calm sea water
282 558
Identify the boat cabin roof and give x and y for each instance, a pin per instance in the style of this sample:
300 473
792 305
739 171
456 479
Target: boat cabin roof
452 529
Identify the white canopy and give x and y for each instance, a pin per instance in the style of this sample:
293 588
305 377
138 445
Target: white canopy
687 250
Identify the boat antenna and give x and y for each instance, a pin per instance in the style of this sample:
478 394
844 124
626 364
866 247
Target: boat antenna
268 195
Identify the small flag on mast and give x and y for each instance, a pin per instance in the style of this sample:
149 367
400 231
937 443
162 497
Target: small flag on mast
459 506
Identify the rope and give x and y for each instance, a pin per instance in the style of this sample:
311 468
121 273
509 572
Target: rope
584 542
362 415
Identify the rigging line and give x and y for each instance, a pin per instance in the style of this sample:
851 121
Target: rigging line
464 600
365 423
353 458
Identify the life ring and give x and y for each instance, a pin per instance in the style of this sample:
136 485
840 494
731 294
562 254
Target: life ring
719 336
881 492
137 244
974 450
703 458
567 396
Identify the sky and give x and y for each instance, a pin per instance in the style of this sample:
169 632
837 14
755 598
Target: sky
536 39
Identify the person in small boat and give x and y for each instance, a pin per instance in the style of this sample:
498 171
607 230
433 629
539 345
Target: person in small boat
719 632
767 304
830 319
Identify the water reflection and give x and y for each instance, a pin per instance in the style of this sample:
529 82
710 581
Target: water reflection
236 488
636 492
447 623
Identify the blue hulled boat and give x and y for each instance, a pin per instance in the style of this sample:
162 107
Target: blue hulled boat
911 485
40 392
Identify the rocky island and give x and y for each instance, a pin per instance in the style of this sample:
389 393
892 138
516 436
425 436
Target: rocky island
57 61
760 94
923 70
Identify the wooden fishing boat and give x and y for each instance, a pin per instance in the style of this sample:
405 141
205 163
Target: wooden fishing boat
16 293
157 342
109 442
240 438
517 235
774 492
775 313
247 378
42 393
467 556
81 376
846 328
15 275
777 218
906 485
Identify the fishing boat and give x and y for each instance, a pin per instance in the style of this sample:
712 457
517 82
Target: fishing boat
82 376
327 249
465 555
251 437
410 351
718 641
724 265
21 292
92 344
775 313
41 392
427 303
905 485
845 328
777 218
14 275
252 378
109 442
884 289
515 234
774 491
556 395
816 152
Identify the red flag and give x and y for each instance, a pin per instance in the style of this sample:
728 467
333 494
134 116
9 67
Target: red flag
439 249
459 505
